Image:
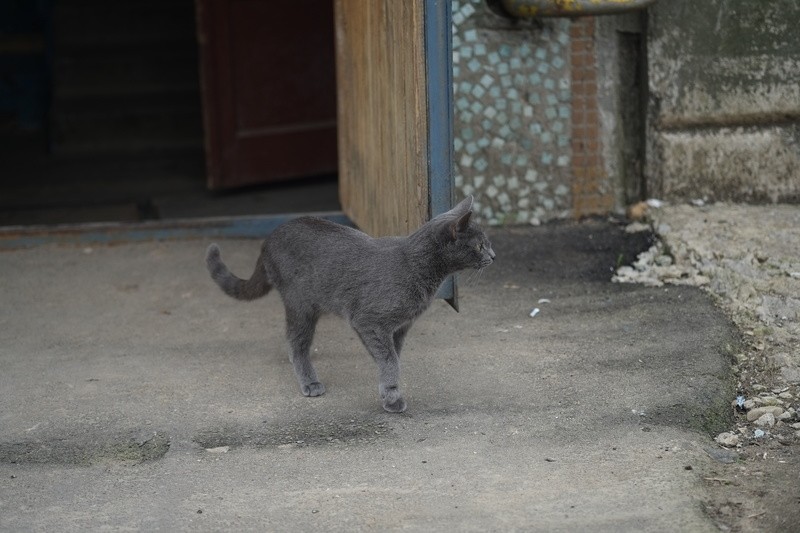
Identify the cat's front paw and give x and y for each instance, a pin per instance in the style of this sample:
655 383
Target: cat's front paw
313 389
393 401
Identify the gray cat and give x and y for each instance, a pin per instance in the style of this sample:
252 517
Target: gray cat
379 285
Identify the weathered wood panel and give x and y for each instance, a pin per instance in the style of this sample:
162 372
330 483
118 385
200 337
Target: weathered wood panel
382 114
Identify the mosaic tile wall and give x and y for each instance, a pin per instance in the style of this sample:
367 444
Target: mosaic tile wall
512 118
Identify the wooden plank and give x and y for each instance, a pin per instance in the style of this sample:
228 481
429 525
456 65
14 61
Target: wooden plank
382 114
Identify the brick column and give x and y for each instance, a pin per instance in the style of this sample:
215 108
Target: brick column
591 191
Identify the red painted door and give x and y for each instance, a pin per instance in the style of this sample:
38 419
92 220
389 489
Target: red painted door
269 89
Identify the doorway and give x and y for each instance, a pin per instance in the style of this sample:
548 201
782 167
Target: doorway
120 134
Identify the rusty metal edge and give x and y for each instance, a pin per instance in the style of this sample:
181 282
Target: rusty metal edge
528 9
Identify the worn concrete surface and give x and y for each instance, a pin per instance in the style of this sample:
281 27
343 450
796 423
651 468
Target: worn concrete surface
134 394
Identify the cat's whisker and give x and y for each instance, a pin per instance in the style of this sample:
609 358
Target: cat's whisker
476 274
470 277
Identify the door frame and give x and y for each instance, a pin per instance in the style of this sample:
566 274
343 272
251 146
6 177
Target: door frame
439 73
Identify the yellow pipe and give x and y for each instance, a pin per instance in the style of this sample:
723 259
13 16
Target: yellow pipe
570 8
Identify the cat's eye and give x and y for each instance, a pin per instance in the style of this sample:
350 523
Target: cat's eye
479 247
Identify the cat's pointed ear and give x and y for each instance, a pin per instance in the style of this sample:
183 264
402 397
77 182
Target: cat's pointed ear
464 211
463 221
464 206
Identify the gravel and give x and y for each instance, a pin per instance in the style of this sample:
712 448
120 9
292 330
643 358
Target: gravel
748 258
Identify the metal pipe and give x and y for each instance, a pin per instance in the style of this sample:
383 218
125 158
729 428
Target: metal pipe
570 8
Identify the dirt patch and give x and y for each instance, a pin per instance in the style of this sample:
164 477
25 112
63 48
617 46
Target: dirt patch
310 433
87 449
757 493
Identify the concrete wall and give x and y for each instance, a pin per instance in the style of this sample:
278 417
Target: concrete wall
724 100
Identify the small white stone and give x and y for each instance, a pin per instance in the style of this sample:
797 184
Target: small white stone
758 412
727 439
219 449
766 420
771 400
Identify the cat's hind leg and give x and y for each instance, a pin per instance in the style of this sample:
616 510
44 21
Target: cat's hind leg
399 337
381 345
300 326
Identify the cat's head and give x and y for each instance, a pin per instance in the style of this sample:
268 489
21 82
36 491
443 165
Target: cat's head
465 243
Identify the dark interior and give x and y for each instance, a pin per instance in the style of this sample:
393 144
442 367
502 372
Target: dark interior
101 119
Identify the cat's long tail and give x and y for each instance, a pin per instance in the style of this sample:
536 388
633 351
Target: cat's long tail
257 286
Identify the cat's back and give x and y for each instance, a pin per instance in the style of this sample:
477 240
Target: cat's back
318 244
318 233
313 259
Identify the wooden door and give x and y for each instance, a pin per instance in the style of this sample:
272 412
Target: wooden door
269 89
394 87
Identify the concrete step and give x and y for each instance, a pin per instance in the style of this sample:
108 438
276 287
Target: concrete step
125 77
80 180
91 22
126 69
115 106
129 126
172 136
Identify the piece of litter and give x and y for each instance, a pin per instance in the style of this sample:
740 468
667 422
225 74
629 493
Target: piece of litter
218 449
543 301
698 202
637 211
759 433
654 203
740 401
534 312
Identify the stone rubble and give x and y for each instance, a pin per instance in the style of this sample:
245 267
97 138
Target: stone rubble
748 258
727 439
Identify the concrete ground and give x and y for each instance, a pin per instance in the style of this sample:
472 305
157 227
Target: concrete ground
135 395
